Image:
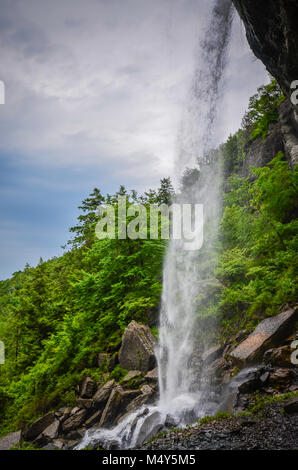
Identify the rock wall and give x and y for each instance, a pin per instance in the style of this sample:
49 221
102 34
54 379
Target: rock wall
271 29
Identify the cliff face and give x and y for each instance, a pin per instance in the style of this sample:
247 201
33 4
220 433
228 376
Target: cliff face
271 29
272 33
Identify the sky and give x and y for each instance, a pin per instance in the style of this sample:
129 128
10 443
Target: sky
95 91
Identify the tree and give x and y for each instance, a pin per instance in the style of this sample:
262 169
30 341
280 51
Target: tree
165 192
84 231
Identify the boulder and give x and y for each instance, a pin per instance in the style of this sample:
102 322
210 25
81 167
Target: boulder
152 375
280 357
269 333
10 440
102 394
74 421
116 405
280 378
87 388
292 406
212 354
39 426
137 349
112 408
94 419
50 433
86 403
152 424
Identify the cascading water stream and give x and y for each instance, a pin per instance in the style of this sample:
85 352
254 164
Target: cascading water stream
182 275
182 395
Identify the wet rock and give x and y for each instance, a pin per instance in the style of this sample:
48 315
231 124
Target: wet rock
280 378
137 349
87 388
39 426
292 406
10 440
170 421
217 368
74 421
150 427
268 333
280 357
212 354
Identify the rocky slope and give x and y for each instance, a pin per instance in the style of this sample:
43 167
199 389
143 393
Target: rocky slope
265 357
274 429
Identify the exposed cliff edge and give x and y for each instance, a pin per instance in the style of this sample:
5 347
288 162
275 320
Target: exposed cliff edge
271 29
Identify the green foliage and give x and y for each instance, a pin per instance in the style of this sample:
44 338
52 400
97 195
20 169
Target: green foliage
258 264
56 317
263 109
232 152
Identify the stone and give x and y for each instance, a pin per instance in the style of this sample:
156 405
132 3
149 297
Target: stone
137 349
259 152
116 405
39 426
58 443
270 332
217 367
86 403
146 389
102 394
271 30
94 419
152 424
64 413
87 388
10 440
280 357
280 378
152 375
212 354
112 408
50 433
292 406
251 383
132 374
74 421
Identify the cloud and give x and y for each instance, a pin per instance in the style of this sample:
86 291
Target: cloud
95 91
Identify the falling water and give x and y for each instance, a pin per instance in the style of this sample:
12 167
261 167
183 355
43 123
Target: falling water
185 271
182 395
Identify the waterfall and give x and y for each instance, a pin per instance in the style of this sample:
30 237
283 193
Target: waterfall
182 392
184 270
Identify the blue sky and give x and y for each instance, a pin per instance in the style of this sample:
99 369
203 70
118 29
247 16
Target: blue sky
95 92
